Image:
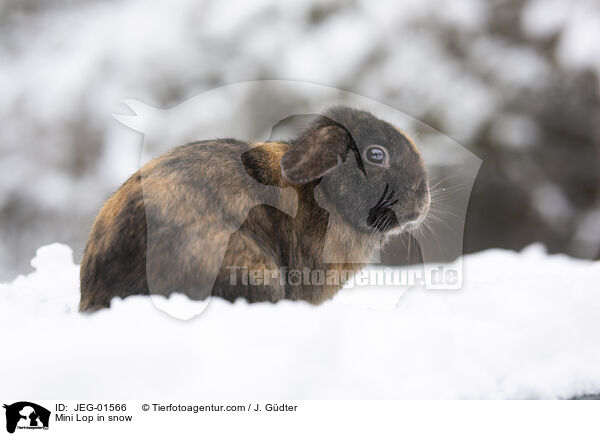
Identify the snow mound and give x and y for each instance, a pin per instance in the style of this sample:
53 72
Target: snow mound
524 325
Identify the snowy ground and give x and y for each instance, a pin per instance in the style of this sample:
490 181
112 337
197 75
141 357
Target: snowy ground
525 325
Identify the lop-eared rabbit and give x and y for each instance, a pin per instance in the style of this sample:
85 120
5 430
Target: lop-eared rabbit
203 218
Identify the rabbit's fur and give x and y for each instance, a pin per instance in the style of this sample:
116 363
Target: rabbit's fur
194 216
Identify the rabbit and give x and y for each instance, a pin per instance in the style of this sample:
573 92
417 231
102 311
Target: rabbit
205 217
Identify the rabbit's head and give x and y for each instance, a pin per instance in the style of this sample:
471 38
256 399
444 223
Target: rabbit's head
368 170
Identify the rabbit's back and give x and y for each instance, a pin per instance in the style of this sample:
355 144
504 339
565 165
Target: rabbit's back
166 229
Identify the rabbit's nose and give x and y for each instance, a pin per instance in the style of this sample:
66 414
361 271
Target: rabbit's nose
425 208
414 220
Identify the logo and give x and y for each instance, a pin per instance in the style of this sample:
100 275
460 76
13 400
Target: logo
352 183
26 415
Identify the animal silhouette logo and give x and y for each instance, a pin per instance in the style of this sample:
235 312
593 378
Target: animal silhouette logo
26 415
367 184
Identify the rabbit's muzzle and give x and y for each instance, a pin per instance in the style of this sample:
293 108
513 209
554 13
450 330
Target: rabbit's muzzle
384 218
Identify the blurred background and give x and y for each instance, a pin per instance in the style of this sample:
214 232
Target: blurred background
516 82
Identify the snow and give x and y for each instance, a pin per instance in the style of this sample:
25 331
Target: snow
524 325
544 18
579 43
515 131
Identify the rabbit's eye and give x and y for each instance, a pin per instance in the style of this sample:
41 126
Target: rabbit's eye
376 154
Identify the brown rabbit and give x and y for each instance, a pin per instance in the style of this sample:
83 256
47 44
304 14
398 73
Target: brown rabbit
205 217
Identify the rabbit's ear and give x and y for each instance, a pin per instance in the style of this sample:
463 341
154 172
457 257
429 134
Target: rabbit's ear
315 153
260 162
